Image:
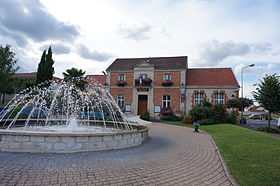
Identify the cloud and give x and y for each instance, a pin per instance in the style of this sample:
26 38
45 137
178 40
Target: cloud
57 48
135 32
31 19
215 51
258 70
93 55
18 38
261 47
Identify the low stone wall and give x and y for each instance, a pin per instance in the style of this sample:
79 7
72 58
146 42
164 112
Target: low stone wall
69 142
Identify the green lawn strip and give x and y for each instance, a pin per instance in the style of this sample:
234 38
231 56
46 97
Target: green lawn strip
252 157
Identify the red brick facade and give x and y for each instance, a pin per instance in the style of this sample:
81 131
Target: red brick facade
174 93
128 78
127 92
175 77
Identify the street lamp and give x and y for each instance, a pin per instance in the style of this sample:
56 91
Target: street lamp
242 89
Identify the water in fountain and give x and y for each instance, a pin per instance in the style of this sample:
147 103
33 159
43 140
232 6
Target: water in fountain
63 107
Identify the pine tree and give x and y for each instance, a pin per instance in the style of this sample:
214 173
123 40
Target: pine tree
45 68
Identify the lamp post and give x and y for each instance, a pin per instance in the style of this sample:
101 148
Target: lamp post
183 87
242 90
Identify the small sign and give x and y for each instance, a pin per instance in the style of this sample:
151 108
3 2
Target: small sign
157 109
127 108
143 89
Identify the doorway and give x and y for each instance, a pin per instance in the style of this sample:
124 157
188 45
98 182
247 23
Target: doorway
142 104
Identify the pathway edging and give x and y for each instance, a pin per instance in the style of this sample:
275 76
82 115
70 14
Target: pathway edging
231 179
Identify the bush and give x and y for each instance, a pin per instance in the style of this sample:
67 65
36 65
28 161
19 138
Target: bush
166 111
209 121
220 113
170 117
200 113
232 117
268 129
145 116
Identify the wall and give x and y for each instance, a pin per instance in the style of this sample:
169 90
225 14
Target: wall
209 94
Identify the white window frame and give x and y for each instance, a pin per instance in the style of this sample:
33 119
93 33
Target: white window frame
143 76
121 100
167 77
219 98
198 97
121 77
166 101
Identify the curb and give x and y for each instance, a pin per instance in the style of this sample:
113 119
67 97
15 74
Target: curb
231 179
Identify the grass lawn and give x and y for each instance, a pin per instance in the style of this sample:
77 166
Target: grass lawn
252 157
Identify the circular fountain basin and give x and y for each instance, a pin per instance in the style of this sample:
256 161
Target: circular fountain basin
88 139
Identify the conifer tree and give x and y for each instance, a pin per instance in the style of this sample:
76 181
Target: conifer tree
45 69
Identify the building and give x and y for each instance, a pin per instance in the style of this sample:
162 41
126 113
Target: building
140 84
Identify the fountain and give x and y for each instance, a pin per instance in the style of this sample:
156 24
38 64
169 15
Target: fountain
62 118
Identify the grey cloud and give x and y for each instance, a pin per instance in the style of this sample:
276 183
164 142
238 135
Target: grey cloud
58 48
261 47
136 33
215 51
18 38
30 18
93 55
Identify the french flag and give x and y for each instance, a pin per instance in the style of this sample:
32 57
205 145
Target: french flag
140 81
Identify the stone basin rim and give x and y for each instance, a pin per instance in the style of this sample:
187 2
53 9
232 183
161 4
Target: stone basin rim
139 128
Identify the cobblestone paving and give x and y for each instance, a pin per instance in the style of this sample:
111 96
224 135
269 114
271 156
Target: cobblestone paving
173 156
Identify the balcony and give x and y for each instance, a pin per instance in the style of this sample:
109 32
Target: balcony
121 83
167 83
145 82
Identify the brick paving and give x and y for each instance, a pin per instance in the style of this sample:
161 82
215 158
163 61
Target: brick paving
173 155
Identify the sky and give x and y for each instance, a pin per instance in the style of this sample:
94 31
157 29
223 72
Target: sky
91 34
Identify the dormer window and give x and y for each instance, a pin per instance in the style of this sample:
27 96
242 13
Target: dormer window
121 77
167 77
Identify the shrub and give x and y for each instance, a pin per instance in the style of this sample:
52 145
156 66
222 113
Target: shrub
166 110
170 117
268 129
220 113
145 116
232 117
200 113
209 121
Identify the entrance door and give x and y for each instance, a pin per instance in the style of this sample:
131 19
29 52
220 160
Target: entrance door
142 104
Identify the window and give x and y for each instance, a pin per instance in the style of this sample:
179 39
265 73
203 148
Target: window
121 77
121 100
167 77
166 101
198 98
219 98
143 76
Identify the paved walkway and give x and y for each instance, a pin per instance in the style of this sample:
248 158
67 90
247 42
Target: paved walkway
174 155
136 119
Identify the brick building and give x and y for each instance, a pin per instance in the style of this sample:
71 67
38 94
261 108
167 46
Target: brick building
140 84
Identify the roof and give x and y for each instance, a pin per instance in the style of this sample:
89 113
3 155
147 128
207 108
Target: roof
211 77
101 79
179 62
24 75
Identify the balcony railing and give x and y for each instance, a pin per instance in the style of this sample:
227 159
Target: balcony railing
121 83
167 83
145 82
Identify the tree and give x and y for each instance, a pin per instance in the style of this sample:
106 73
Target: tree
7 69
45 69
268 94
76 77
245 102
